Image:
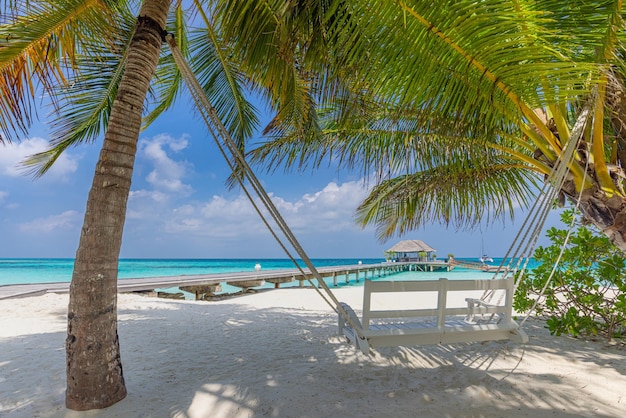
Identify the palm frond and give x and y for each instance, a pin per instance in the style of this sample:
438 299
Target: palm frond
82 106
460 196
382 141
39 45
281 47
464 58
222 79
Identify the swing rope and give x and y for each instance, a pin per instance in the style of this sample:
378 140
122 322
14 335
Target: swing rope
222 138
526 239
523 245
565 241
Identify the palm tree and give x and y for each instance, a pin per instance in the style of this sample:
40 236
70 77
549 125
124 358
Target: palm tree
92 344
94 369
460 110
96 64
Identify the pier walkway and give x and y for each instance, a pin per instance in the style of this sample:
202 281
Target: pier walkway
472 265
244 279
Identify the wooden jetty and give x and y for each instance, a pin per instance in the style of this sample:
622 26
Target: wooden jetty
244 280
474 265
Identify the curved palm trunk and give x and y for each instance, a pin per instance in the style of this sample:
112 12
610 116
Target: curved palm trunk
608 214
94 368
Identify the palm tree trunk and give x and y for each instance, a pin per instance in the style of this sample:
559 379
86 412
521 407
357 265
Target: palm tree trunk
94 369
606 213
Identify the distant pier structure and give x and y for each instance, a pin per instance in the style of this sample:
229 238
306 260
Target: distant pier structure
208 284
411 250
408 255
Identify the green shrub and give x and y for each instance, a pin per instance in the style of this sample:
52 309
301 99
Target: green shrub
587 294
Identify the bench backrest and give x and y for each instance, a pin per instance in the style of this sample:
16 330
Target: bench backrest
442 287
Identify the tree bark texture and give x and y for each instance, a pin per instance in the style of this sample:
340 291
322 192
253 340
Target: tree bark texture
606 213
95 378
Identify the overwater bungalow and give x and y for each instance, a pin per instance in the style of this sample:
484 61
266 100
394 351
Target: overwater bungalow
412 250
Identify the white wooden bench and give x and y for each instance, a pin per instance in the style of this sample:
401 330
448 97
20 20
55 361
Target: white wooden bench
451 319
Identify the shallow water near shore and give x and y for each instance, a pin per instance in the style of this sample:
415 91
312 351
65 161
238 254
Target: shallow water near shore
49 270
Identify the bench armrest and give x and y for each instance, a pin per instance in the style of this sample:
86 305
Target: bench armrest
480 307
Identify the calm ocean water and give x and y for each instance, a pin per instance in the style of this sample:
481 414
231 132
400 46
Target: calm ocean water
47 270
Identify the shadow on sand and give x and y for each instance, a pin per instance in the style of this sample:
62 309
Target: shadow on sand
230 360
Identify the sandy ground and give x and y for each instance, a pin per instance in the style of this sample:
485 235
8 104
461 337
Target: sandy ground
277 354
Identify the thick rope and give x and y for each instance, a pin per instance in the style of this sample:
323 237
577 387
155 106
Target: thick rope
528 235
523 245
563 247
221 136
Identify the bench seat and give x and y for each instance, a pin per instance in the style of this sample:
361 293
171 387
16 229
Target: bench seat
474 321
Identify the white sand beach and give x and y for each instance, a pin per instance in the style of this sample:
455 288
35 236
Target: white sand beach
277 354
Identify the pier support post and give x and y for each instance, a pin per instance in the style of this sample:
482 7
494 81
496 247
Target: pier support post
347 277
335 278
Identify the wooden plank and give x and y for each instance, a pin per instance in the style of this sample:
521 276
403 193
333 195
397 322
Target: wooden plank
435 285
401 313
401 286
441 302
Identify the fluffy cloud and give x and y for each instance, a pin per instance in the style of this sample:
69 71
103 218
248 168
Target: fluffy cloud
12 155
329 210
159 206
167 174
332 208
65 220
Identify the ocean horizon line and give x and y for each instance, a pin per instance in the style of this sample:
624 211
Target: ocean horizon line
199 258
382 258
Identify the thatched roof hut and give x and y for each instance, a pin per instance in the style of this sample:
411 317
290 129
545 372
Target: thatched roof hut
409 250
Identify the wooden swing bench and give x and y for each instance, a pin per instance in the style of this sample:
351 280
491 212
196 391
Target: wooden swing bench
474 320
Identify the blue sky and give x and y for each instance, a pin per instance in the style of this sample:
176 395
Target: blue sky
180 207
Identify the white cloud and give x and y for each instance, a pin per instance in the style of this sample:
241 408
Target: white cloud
331 209
167 174
153 195
12 155
3 195
65 220
328 210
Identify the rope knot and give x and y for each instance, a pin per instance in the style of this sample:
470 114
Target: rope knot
153 24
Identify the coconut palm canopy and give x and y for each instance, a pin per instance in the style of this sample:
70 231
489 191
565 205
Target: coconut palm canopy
411 246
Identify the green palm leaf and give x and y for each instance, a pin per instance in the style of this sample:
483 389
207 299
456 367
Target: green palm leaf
424 85
221 77
168 80
43 41
279 44
82 108
460 195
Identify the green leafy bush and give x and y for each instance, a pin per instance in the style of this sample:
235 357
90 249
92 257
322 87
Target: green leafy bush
587 294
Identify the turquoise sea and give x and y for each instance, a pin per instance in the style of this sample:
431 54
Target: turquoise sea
48 270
